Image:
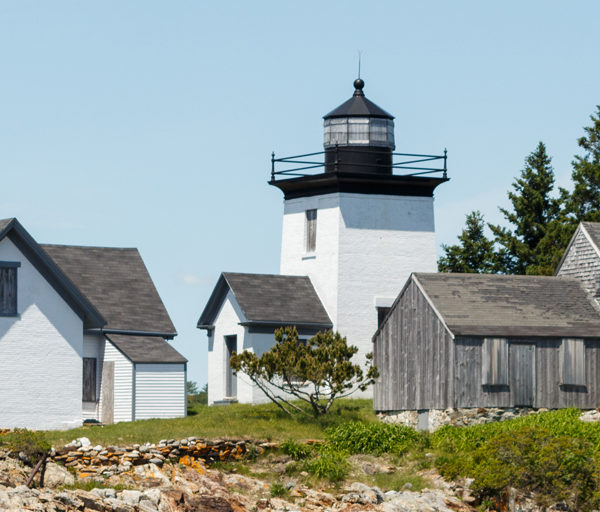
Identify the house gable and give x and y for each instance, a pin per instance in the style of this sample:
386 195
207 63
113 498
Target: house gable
41 350
414 355
582 258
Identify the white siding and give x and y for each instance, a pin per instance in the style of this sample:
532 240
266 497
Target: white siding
123 387
226 324
159 391
40 354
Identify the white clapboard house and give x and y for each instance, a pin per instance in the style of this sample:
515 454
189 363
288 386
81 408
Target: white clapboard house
82 336
356 226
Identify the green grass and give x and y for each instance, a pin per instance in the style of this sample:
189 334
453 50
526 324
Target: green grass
239 421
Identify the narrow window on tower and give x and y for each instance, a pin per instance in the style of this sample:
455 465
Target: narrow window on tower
310 237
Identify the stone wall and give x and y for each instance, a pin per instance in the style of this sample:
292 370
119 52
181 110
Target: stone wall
431 420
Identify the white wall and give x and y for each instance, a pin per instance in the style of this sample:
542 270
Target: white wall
93 346
159 391
367 247
123 385
226 324
40 354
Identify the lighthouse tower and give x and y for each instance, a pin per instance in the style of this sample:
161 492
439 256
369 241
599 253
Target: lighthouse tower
361 224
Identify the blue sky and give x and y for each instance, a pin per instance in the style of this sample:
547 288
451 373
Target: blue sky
150 124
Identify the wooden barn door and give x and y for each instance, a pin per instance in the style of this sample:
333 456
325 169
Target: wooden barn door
522 374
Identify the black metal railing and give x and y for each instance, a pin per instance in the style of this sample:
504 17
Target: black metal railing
338 157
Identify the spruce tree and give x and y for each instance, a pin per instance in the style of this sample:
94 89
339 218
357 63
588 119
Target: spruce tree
533 209
474 253
584 203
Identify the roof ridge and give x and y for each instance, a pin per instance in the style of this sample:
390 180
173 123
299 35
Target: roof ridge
91 247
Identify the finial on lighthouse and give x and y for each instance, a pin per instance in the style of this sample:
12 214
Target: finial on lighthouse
359 83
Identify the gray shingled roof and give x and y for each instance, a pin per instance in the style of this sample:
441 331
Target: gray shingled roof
500 305
146 349
269 299
593 229
117 283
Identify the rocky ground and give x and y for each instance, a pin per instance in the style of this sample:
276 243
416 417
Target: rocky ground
176 476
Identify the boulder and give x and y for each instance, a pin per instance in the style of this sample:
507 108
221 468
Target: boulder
57 476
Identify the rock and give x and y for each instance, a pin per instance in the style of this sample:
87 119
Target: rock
104 493
98 448
590 416
130 497
57 476
407 486
83 441
69 500
151 495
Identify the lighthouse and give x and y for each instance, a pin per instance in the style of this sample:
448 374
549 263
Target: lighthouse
360 221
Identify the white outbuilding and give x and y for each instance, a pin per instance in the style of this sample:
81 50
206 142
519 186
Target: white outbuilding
242 313
82 336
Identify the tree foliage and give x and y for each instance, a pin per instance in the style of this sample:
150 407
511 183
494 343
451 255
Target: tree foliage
540 225
474 253
584 202
533 209
317 372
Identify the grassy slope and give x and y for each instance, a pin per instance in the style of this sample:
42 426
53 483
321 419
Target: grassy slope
234 421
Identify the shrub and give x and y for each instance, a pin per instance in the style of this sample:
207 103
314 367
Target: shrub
32 444
297 451
278 491
375 438
558 468
329 464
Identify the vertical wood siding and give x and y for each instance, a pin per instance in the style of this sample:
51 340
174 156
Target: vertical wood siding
415 358
123 383
571 359
159 391
495 362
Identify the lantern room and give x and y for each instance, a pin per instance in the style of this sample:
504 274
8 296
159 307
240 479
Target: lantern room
359 136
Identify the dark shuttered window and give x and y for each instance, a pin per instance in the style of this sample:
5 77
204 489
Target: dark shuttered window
89 379
572 362
8 288
494 362
311 231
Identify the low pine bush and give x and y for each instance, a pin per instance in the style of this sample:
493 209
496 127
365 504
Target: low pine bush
552 454
376 438
33 445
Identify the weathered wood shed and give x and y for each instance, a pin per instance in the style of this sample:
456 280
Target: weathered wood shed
475 340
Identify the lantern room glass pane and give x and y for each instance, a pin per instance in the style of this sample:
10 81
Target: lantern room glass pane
358 130
336 131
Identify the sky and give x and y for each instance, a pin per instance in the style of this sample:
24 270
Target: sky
150 124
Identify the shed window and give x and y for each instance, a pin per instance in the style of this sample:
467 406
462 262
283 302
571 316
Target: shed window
572 362
8 288
495 362
311 231
89 379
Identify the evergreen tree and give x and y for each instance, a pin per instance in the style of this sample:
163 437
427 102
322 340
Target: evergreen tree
474 254
584 202
533 209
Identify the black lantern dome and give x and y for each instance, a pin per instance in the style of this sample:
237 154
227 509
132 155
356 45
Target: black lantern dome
359 136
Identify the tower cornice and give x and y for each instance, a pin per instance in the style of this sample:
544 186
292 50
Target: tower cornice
358 183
